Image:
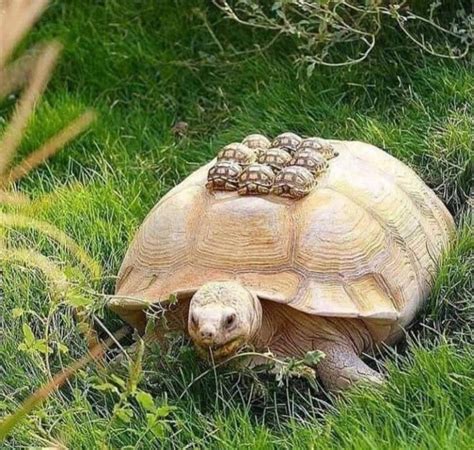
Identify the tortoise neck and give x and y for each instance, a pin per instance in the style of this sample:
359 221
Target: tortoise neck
268 329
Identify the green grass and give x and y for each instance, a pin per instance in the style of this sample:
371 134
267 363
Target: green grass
143 66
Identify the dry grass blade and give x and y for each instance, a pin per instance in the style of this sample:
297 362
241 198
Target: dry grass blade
58 380
13 198
14 131
20 221
52 146
34 259
16 19
17 73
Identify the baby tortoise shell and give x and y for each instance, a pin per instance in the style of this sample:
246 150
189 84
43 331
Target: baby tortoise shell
224 176
294 182
257 142
287 141
256 179
311 160
276 158
319 145
238 153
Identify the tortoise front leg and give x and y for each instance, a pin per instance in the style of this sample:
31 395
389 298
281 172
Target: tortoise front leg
342 367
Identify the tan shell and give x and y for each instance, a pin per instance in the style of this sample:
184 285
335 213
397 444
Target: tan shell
257 142
224 175
276 158
311 160
256 179
238 153
287 141
294 182
364 244
320 145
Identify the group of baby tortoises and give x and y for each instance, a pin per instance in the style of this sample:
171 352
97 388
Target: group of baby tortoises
287 167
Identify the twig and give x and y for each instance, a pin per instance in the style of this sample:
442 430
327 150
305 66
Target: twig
51 147
26 105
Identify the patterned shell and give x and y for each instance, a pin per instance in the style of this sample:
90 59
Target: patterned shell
238 153
257 173
364 244
320 145
311 160
276 158
224 175
257 142
287 141
295 177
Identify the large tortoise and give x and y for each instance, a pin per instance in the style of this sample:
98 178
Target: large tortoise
342 270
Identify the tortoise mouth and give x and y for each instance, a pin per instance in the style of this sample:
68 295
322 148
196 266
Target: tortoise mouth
222 351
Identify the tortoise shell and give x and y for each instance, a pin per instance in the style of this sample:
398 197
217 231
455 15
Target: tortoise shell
287 141
320 145
365 244
311 160
238 153
224 175
257 142
276 158
294 182
256 179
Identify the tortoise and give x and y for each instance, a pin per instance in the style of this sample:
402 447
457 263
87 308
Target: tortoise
311 160
256 179
276 158
224 175
238 153
287 141
319 145
258 142
294 182
343 270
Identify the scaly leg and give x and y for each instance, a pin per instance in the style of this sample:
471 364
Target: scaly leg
342 367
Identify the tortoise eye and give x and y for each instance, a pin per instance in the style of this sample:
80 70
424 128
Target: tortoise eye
194 320
230 319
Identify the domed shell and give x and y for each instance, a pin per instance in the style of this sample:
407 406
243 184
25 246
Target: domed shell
287 141
224 175
365 243
257 142
322 146
294 182
237 153
256 179
309 159
276 158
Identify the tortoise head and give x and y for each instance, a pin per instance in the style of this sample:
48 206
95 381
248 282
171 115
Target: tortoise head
223 317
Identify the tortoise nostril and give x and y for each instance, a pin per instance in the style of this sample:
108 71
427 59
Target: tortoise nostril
207 334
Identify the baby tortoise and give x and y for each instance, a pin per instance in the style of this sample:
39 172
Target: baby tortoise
276 158
238 153
287 141
319 145
311 160
224 176
256 179
294 182
257 142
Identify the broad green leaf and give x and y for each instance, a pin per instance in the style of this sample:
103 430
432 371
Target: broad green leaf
17 312
124 414
155 426
41 346
28 335
145 400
